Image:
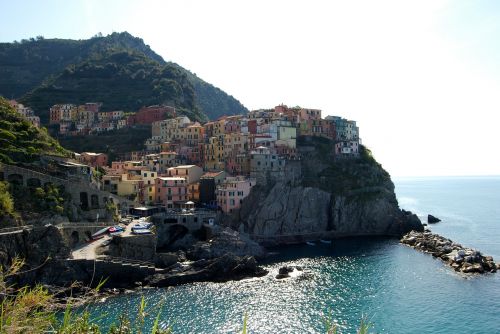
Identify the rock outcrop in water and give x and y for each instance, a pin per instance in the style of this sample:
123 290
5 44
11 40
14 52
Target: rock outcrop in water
432 219
323 197
221 269
465 260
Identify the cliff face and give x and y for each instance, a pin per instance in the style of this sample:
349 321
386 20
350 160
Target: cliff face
331 198
34 245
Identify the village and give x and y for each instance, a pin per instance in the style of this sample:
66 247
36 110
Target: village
186 164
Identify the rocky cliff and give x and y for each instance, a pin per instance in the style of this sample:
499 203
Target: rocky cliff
35 245
331 198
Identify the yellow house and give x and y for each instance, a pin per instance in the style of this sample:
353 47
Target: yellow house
287 136
194 192
191 173
120 185
214 154
148 178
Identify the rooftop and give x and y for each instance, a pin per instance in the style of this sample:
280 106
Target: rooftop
183 166
171 178
212 174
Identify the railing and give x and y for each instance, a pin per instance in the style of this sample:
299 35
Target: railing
15 229
103 224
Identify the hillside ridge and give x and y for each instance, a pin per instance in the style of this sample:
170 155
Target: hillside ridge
30 66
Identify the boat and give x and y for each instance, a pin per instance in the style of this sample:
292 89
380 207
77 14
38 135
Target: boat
141 226
325 241
114 229
141 231
99 234
310 243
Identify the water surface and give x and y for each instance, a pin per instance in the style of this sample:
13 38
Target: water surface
399 289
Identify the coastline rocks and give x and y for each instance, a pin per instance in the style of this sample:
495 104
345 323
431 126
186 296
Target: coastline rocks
432 220
321 196
462 259
291 210
221 269
222 241
284 272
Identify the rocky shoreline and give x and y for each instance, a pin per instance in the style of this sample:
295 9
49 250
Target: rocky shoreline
460 258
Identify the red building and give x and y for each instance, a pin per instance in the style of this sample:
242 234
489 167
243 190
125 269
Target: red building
148 115
252 126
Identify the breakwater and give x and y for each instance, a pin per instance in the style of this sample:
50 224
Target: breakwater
462 259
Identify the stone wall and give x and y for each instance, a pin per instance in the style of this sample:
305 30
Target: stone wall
137 247
78 233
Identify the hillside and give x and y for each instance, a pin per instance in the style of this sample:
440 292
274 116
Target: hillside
112 143
37 64
122 80
21 141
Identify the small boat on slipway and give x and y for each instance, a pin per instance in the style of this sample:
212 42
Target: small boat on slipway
310 243
325 241
99 234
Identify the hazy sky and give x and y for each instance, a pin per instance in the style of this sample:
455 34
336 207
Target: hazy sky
422 78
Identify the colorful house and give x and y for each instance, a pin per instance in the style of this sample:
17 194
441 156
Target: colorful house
232 192
171 191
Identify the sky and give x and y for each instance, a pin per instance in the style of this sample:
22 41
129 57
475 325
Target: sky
421 78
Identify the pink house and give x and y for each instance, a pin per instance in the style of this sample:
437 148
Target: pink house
94 159
171 190
232 191
309 114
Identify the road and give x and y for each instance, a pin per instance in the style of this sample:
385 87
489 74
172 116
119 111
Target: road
88 250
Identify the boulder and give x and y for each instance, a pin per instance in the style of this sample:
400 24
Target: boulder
221 269
432 220
164 260
284 272
223 241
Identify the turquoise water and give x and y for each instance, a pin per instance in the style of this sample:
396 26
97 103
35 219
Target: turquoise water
400 290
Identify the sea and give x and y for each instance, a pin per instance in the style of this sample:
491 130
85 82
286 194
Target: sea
377 280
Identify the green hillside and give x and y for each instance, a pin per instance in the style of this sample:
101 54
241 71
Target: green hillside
122 80
22 142
42 67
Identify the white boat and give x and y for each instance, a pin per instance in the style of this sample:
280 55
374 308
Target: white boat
325 241
142 231
310 243
100 233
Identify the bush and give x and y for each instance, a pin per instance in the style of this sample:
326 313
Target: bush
6 201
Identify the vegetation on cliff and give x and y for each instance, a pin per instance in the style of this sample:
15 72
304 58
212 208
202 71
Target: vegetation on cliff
122 80
113 143
52 69
340 176
33 202
21 141
6 201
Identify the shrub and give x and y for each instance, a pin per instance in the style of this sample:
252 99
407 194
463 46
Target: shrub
6 201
